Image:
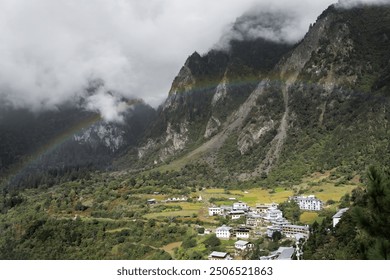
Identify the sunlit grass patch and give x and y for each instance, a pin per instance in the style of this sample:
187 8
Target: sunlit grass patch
308 217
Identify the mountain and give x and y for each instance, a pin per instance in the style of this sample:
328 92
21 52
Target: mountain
262 109
207 91
252 108
67 138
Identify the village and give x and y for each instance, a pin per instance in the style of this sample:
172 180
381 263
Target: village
268 220
245 224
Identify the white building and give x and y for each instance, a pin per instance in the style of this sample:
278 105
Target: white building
254 220
293 230
242 233
214 256
280 222
236 214
223 232
338 215
240 206
273 214
243 245
215 211
310 202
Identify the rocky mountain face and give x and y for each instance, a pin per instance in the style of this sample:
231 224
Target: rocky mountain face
207 90
264 109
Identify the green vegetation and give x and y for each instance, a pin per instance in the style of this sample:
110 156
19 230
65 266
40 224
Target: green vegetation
363 232
106 216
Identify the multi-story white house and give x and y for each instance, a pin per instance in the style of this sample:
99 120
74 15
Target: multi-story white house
242 233
254 220
273 214
338 215
224 232
310 202
280 222
215 211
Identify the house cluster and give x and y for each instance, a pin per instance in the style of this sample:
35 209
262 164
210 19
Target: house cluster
262 219
262 216
176 199
170 199
310 203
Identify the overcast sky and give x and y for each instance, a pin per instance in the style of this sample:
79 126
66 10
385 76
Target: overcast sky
50 49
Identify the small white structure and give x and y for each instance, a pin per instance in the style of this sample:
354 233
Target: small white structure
310 202
243 245
215 211
152 201
263 208
338 215
214 256
223 232
236 214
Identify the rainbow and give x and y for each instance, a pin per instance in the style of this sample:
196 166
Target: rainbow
18 168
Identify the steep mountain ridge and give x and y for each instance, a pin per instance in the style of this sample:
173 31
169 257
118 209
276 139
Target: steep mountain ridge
286 122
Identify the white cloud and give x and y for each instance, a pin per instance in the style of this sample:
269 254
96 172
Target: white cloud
50 50
110 107
353 3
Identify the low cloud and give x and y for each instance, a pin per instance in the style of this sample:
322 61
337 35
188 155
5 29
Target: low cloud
353 3
50 51
111 107
279 21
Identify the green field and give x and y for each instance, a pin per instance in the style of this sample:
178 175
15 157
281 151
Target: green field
308 217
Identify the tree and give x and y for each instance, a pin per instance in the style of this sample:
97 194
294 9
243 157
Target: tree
373 215
189 242
290 210
276 236
212 242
